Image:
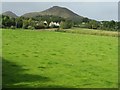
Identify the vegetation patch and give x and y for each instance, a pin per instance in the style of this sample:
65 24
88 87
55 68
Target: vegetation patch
91 32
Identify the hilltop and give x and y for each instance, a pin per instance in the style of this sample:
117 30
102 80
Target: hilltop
56 11
10 14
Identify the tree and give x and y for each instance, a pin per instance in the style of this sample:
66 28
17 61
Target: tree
12 20
93 24
39 25
19 22
86 20
118 26
8 21
66 24
25 24
109 25
112 25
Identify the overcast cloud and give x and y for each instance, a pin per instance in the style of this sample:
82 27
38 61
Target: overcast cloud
93 10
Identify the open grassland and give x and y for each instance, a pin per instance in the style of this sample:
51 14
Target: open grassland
58 59
92 32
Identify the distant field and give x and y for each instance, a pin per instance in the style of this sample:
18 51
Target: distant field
58 59
93 32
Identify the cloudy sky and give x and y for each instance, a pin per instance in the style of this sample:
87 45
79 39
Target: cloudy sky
94 10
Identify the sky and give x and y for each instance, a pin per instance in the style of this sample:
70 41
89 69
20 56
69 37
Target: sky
93 10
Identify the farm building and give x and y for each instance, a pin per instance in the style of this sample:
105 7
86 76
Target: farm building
54 24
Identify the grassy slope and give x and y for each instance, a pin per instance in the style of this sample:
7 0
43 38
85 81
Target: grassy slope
56 59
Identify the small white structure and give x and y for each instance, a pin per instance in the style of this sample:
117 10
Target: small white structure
52 24
45 23
57 24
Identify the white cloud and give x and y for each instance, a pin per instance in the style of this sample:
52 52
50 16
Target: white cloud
93 10
60 0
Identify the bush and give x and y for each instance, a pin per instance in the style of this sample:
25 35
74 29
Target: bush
93 24
40 26
25 24
31 27
25 27
19 24
12 27
66 25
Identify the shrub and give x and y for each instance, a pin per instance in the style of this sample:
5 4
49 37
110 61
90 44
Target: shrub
19 23
31 27
93 24
39 25
25 24
66 25
12 27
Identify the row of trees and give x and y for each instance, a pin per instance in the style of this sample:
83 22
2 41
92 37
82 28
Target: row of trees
38 23
104 25
34 23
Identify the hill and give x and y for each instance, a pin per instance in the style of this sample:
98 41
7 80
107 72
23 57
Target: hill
10 14
56 11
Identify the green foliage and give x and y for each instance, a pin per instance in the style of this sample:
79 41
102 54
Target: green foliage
118 26
25 24
109 25
31 27
37 23
19 22
93 24
112 24
40 25
49 18
12 27
86 20
8 21
66 24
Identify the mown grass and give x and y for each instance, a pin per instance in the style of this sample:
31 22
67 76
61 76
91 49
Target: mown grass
59 60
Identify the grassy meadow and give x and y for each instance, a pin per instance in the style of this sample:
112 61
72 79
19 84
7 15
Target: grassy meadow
92 32
59 60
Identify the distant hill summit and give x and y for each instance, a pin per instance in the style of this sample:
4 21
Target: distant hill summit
56 11
10 14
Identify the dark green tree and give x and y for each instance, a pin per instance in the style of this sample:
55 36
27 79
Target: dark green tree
93 24
25 24
19 22
66 24
86 20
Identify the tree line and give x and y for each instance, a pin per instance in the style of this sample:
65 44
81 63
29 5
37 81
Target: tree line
34 23
101 25
38 23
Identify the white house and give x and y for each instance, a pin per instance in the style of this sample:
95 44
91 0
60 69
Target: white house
52 24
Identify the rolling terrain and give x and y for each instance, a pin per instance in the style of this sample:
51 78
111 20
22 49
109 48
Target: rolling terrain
55 11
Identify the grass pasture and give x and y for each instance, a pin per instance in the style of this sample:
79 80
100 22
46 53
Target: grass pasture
92 32
58 59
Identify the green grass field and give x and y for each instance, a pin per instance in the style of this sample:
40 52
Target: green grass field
92 32
59 60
